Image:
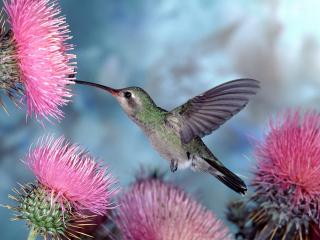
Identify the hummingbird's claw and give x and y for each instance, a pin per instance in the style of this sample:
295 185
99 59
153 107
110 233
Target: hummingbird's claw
173 165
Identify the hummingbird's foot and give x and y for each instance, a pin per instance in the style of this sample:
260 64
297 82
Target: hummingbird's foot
173 165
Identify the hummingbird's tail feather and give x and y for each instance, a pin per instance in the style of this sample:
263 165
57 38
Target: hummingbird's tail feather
226 176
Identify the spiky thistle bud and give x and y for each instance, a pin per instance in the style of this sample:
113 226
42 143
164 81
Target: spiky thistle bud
286 201
70 187
155 210
46 217
34 57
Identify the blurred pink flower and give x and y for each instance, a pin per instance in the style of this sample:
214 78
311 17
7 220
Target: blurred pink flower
289 157
69 173
154 210
40 41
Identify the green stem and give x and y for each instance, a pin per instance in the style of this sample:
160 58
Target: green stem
32 234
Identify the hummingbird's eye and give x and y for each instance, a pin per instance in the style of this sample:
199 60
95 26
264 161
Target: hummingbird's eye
127 95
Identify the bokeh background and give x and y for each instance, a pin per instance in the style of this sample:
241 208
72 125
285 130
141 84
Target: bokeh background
175 50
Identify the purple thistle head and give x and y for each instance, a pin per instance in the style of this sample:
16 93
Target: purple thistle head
155 210
34 57
287 179
72 175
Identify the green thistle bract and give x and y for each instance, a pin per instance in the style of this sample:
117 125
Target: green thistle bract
45 216
9 70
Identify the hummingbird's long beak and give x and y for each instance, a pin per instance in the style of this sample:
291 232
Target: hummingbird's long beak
114 92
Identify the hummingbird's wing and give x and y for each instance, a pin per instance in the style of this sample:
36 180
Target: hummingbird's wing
206 112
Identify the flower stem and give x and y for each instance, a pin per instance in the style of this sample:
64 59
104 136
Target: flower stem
32 234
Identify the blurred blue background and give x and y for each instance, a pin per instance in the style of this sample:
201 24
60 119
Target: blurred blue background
175 50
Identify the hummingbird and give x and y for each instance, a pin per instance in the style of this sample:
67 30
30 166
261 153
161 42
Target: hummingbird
176 134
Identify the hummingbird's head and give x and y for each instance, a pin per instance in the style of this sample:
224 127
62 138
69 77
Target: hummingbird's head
134 100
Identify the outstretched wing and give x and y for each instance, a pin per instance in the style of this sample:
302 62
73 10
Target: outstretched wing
206 112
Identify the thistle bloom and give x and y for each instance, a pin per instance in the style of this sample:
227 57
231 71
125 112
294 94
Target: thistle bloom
154 210
287 178
71 190
70 173
289 158
34 57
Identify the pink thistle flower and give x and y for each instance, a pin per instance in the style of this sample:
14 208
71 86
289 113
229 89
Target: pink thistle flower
286 201
40 45
71 193
154 210
70 174
289 157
